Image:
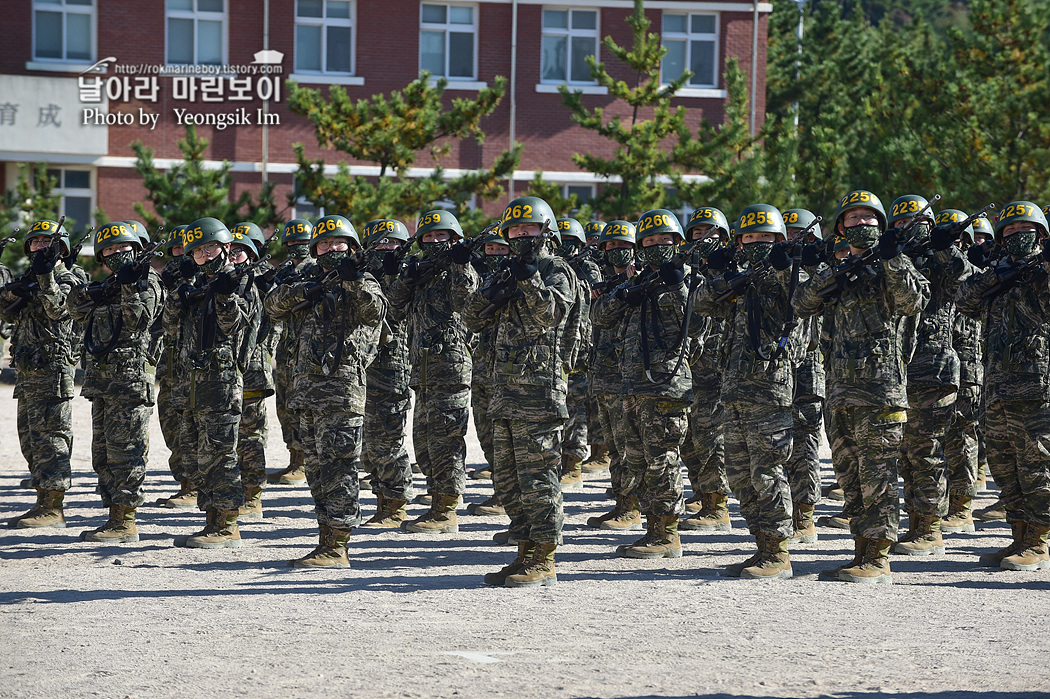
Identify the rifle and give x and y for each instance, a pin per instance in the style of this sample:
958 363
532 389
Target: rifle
848 273
325 280
1014 274
428 269
10 239
24 287
194 297
792 320
502 286
106 289
916 248
74 250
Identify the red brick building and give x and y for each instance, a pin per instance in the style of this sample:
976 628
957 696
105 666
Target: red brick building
83 124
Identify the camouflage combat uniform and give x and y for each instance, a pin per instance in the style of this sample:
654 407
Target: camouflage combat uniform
286 334
575 436
169 417
257 359
703 451
961 441
807 407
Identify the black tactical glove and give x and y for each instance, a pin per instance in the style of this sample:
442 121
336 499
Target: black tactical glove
980 255
943 236
631 295
671 274
410 272
311 291
524 266
130 274
267 278
460 254
183 294
169 277
720 258
780 256
187 267
813 254
224 283
348 270
1045 252
98 294
890 244
391 263
44 261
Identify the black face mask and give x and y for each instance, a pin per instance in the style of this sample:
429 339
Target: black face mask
862 236
214 265
331 259
118 260
568 249
706 246
619 257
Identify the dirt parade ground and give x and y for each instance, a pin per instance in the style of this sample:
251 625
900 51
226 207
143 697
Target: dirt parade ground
412 617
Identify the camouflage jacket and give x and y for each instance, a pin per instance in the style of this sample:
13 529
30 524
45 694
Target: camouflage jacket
529 372
125 370
657 322
337 338
588 273
1017 330
391 370
258 356
44 342
866 327
438 339
285 332
934 361
746 377
206 359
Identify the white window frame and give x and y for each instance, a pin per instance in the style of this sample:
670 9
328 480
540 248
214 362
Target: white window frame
565 190
197 15
62 191
324 22
569 33
688 37
447 28
66 10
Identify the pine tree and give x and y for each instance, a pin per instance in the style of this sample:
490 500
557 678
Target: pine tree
563 207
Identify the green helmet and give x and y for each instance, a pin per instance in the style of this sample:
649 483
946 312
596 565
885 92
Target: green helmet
140 231
760 218
114 233
708 216
955 216
298 230
593 229
333 227
381 228
204 231
658 221
439 220
1018 212
494 236
45 227
860 198
250 236
982 225
800 218
570 228
529 210
617 230
174 238
908 205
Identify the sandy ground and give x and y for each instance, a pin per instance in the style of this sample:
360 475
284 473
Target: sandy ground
412 618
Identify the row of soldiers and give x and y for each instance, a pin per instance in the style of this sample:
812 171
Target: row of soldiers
642 345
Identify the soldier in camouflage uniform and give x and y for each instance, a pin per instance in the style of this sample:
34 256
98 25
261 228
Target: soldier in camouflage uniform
574 438
431 294
495 252
933 384
617 246
760 348
212 318
257 357
649 313
961 439
338 320
295 237
703 451
179 270
535 342
599 459
1015 309
865 318
118 314
807 407
43 356
389 398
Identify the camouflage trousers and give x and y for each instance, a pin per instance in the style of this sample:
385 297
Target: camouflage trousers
289 419
651 431
45 433
921 464
480 395
332 446
170 419
703 449
1018 439
209 456
574 436
595 434
803 468
120 449
439 428
526 477
610 413
865 443
758 445
251 443
962 441
384 455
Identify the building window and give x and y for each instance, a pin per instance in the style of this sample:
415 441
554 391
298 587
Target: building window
64 30
691 41
196 32
569 37
324 37
448 40
77 198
